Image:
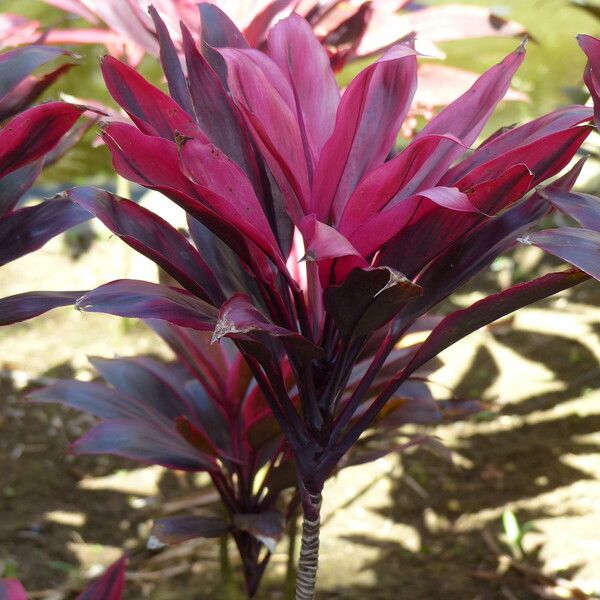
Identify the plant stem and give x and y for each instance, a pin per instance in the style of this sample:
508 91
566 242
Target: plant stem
309 551
226 572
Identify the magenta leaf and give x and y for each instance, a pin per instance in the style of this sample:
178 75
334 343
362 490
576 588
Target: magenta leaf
466 117
11 589
393 181
297 52
255 32
506 141
218 31
109 586
226 189
580 247
487 198
323 242
216 112
145 300
380 228
369 117
544 157
181 528
266 97
154 163
27 229
21 307
591 46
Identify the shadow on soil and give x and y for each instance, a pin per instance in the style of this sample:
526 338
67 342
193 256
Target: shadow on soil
457 508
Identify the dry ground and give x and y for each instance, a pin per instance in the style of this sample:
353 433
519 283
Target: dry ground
413 527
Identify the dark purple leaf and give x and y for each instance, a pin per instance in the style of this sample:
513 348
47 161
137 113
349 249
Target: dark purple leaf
21 307
239 317
153 237
461 323
193 349
99 400
143 443
267 527
145 300
175 530
169 59
17 64
15 184
28 90
584 208
27 229
142 379
580 247
216 112
218 31
368 299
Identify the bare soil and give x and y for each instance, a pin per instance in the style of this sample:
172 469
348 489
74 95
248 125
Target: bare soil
410 527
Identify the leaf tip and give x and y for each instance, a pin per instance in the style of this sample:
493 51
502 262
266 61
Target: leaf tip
523 45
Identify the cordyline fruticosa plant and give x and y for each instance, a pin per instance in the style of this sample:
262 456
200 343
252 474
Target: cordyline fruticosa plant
348 30
260 149
29 142
205 412
108 587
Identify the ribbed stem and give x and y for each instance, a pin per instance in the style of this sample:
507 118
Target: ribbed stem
309 551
